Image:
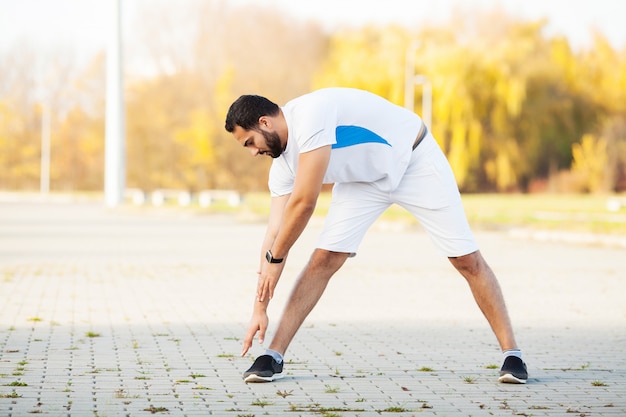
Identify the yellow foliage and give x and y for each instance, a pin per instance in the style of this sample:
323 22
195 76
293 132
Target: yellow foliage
4 151
508 102
370 59
504 167
590 160
223 93
196 139
458 155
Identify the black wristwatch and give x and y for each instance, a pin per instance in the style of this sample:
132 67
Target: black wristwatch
270 258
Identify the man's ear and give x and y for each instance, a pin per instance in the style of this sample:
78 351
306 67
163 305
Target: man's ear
265 121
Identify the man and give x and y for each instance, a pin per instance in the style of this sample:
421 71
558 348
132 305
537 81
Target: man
376 154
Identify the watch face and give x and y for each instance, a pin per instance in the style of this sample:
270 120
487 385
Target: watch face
270 258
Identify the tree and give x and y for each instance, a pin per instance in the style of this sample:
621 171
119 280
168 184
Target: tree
370 58
590 162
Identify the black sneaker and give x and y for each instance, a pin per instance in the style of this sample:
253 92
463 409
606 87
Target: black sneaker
264 369
513 371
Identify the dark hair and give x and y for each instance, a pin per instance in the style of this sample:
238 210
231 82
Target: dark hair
247 110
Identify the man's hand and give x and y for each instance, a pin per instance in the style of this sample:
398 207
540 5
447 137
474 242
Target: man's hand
258 323
268 278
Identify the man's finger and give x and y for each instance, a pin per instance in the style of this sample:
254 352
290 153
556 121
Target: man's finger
247 342
263 293
245 348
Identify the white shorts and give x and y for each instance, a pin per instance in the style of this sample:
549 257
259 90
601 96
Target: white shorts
427 190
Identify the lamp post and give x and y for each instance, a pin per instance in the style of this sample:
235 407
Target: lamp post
427 98
411 79
115 156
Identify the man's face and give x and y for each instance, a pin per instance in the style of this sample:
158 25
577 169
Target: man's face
259 142
273 143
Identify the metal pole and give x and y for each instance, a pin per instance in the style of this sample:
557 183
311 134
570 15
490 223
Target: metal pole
427 104
410 79
44 174
409 72
115 156
427 98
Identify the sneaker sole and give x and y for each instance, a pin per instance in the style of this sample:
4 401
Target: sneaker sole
510 379
257 378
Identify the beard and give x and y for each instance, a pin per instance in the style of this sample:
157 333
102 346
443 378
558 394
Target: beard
273 143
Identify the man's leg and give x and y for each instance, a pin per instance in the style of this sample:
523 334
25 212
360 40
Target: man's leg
305 294
488 296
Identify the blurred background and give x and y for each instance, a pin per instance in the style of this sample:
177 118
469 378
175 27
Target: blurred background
524 97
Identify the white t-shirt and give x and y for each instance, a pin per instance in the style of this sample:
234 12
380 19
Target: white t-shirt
371 138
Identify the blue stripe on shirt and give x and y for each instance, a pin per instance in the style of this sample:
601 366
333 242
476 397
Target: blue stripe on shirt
354 135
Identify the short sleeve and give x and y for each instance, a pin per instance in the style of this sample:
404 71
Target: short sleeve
281 178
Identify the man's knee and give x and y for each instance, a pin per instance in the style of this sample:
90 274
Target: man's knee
328 260
469 265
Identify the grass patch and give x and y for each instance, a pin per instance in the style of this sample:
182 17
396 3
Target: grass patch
394 409
16 384
571 212
469 379
261 403
123 394
152 409
316 408
331 390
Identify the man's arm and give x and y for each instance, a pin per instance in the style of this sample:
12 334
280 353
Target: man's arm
259 321
277 208
297 211
289 215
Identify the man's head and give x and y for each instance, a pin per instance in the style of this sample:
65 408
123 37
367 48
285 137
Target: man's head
250 120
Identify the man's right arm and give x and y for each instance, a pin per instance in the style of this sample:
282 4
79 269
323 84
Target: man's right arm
258 322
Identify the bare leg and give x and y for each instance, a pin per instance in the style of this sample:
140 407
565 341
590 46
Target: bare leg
306 293
488 296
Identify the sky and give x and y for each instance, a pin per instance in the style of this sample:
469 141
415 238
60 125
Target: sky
83 23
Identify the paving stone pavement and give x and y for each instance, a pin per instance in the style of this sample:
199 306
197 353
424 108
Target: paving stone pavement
137 312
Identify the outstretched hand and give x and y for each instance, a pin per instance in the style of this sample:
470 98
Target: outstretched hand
258 323
268 277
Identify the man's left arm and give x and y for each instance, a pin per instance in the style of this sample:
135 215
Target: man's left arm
298 210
